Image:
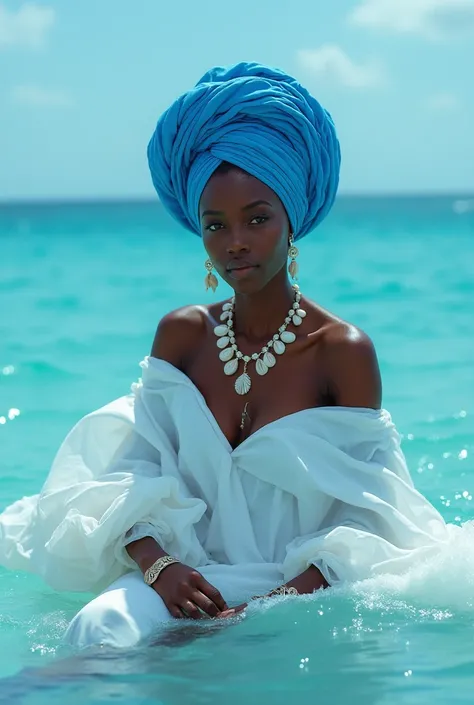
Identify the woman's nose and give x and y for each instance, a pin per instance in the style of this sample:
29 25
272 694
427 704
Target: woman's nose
237 243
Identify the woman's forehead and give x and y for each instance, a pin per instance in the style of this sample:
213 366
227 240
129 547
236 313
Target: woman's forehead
234 186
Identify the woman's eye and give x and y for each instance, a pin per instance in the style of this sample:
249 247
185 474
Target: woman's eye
213 227
256 220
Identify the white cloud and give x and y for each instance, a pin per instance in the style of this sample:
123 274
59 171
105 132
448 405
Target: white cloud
443 103
432 18
36 96
330 61
26 27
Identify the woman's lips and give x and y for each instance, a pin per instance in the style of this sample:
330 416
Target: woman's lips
242 272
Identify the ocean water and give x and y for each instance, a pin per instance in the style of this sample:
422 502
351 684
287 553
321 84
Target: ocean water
82 288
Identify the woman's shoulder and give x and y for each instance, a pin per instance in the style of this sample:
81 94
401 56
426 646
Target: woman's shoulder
180 330
335 332
349 358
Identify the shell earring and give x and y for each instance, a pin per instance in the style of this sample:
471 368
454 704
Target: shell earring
293 254
210 280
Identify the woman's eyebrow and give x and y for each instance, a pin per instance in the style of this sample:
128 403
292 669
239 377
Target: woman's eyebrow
256 203
244 208
211 213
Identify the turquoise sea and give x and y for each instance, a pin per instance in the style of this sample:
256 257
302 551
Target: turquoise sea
82 287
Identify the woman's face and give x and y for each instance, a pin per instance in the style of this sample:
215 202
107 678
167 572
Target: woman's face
245 229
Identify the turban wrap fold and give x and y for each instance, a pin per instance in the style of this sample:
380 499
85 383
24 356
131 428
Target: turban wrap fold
259 119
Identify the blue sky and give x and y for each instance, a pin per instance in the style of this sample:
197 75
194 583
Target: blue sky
83 83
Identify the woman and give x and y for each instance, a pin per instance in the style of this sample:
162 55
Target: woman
253 458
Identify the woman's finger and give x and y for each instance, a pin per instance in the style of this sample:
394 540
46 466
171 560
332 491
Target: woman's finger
232 612
175 612
211 593
205 604
227 614
191 610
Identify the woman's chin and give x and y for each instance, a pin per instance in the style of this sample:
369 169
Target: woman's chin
246 281
246 287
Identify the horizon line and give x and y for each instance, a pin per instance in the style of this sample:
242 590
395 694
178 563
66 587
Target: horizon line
116 200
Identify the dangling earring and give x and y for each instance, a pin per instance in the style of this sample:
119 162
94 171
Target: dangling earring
293 254
210 280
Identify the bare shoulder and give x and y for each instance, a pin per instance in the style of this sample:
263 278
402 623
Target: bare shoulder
178 332
342 338
351 365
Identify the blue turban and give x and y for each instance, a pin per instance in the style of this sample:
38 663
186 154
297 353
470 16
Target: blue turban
259 119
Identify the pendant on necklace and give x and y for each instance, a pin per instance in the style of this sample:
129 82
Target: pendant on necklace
230 354
243 383
244 416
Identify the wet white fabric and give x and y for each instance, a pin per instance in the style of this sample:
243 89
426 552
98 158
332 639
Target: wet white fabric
122 616
325 486
129 611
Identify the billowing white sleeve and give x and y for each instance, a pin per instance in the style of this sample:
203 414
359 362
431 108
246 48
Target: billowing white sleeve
106 478
377 521
140 530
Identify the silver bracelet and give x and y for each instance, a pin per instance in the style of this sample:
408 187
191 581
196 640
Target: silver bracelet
155 570
283 590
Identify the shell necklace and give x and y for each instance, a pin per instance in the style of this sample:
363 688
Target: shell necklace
231 355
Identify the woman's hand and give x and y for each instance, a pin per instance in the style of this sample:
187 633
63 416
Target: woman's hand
305 584
309 581
187 594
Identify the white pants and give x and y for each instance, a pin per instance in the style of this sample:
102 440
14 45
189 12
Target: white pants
129 610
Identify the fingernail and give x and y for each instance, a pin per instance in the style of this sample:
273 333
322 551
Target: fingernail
227 613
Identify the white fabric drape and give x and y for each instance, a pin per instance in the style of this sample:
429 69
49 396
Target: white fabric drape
326 486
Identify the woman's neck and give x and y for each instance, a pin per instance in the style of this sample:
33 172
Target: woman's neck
260 315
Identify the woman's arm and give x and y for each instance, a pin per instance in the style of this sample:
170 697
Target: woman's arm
145 552
170 344
353 376
184 590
